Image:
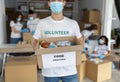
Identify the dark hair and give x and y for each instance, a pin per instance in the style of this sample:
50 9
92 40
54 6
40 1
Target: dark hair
106 40
92 27
16 15
30 12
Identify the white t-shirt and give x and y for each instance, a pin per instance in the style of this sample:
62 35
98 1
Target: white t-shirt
32 24
102 49
51 28
87 33
18 26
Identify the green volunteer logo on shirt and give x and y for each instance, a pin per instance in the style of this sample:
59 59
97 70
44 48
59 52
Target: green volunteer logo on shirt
56 32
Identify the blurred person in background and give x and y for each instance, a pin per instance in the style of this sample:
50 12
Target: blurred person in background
32 21
87 32
16 25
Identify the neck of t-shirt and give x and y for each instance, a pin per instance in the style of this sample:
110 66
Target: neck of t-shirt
57 17
57 20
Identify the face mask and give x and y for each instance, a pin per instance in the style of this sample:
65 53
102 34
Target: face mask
56 7
30 18
101 41
18 19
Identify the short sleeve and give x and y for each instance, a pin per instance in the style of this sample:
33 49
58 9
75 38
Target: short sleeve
77 31
37 34
12 23
85 33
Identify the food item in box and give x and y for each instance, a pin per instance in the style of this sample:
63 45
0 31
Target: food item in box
24 42
97 60
19 42
52 45
44 44
63 43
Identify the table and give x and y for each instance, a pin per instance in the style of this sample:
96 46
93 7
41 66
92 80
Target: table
116 50
12 48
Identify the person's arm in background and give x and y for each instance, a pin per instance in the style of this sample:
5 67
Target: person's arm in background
35 44
95 50
81 40
102 55
28 25
36 36
77 33
108 53
13 27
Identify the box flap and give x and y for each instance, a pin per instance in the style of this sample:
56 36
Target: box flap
59 49
22 60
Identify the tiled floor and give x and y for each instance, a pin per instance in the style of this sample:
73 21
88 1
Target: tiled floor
115 77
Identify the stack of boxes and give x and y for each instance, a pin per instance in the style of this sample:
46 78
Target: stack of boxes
91 17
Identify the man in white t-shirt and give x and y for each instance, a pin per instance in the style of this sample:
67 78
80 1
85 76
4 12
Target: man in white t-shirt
32 22
54 26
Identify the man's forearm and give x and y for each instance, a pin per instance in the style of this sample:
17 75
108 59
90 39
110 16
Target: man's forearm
34 44
81 40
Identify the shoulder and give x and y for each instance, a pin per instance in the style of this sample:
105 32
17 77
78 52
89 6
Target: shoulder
12 21
70 20
84 31
37 19
28 21
45 20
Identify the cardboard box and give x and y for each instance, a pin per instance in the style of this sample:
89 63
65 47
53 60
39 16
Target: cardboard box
77 48
99 72
27 36
91 16
81 69
23 45
21 69
85 25
115 59
27 40
83 57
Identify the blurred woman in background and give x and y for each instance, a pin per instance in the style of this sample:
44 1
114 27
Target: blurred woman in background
16 25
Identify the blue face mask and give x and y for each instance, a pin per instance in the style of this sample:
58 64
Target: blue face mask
18 19
101 41
31 18
56 7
